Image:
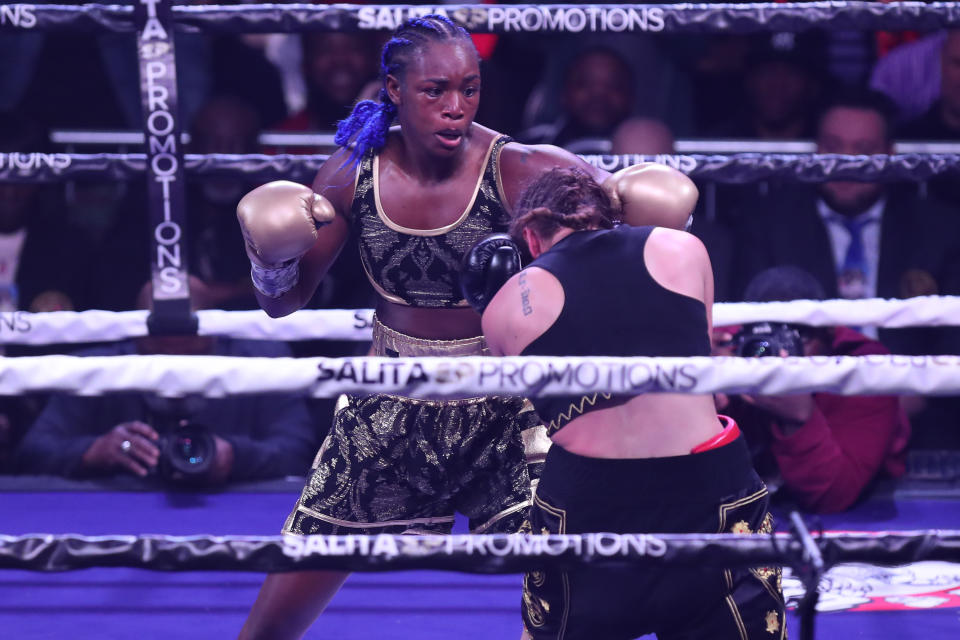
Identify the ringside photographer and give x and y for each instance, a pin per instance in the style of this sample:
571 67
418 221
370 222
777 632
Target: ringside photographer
827 449
192 441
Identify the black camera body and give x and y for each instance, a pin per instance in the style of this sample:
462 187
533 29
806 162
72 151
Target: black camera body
761 339
187 452
187 447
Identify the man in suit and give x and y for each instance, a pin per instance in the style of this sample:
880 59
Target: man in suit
863 240
859 239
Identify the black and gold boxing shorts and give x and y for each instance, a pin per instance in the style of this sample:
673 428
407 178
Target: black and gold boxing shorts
401 465
712 492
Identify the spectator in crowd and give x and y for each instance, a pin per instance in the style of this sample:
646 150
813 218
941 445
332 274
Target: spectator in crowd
337 67
716 68
507 63
942 120
909 75
858 239
224 124
597 96
236 68
781 77
44 263
19 52
253 437
863 240
782 83
827 448
207 65
70 84
645 136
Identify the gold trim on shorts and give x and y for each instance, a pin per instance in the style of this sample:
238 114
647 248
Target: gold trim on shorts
373 525
535 443
503 514
385 338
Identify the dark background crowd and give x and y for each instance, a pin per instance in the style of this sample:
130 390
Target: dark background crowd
84 244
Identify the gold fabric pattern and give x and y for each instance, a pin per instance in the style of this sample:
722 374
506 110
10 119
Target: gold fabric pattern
421 267
393 462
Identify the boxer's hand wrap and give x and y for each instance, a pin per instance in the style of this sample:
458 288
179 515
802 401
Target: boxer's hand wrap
486 267
653 194
279 221
276 281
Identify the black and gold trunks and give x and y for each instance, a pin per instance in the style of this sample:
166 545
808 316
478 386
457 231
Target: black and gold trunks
712 492
393 464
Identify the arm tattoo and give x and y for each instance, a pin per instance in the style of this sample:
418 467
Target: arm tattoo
524 295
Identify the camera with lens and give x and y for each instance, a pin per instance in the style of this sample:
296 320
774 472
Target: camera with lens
762 339
187 448
187 452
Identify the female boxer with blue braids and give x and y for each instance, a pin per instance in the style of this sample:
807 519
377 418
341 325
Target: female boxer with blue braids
416 197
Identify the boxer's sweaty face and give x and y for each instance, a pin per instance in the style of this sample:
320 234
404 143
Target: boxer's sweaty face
439 95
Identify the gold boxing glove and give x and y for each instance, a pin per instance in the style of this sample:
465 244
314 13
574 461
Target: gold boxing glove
650 193
280 219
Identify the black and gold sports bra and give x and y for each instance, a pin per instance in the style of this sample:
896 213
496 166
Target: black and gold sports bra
612 306
420 267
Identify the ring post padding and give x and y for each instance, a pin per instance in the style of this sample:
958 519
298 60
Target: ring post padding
166 200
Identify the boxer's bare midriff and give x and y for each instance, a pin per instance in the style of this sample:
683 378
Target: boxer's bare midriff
433 324
653 425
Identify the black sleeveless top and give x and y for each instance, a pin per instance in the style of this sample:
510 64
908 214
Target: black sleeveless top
420 267
612 307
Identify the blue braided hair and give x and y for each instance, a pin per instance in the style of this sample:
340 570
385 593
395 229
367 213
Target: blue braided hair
367 125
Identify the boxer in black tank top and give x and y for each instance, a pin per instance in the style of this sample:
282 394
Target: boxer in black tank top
654 463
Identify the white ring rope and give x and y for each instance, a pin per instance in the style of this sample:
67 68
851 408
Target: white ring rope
62 327
218 376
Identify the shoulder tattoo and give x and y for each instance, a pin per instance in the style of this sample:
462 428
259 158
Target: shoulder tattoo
524 295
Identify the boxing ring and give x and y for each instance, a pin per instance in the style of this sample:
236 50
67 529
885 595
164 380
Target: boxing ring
188 565
111 602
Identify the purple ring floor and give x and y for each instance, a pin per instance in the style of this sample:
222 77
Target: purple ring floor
106 604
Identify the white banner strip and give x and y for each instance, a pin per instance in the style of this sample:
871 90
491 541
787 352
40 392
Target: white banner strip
56 327
477 376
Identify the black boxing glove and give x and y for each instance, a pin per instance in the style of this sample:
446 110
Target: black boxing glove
486 267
